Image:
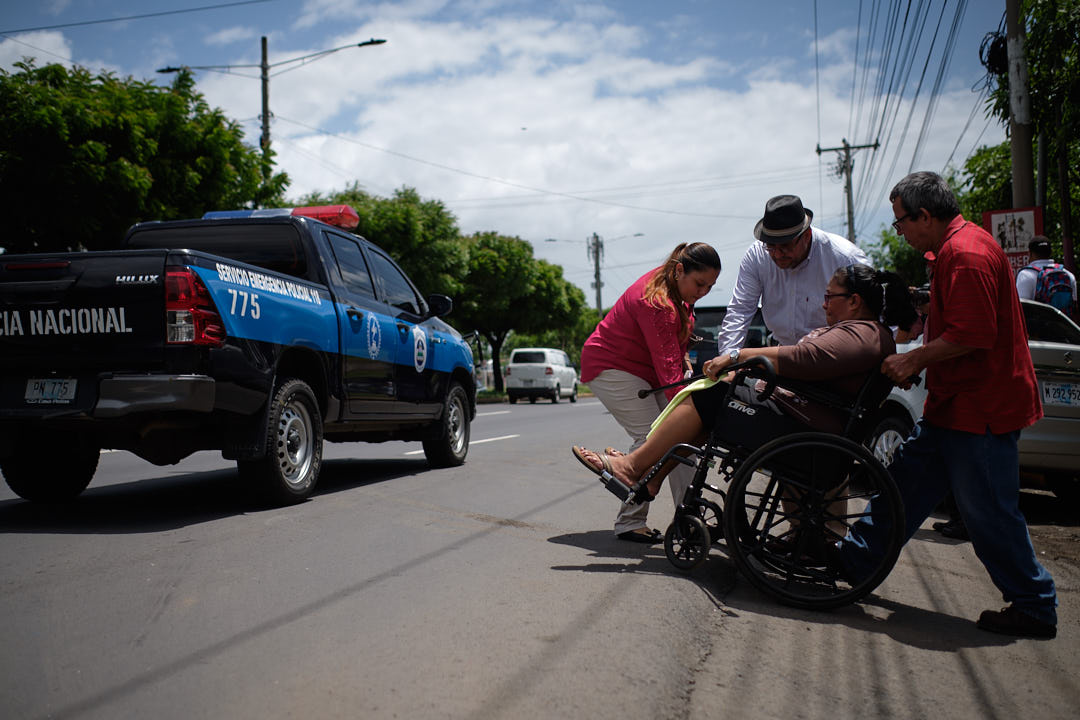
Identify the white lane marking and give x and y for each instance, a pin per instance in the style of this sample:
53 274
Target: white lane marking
500 412
472 442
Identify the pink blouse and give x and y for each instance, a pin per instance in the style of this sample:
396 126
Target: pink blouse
637 338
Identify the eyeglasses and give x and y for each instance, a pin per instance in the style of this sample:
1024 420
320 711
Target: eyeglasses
829 296
897 221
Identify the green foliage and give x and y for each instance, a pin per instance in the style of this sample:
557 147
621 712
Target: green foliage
1052 50
507 289
421 235
892 253
986 182
82 157
569 337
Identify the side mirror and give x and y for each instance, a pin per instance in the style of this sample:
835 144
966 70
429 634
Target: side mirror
439 305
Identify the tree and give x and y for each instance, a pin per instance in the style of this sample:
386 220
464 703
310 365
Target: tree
506 289
82 157
893 253
1052 50
421 235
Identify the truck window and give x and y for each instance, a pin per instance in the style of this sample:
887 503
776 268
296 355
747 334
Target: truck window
528 356
352 267
273 247
394 288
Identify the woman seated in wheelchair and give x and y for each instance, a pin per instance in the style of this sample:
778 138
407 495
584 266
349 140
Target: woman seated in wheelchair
860 303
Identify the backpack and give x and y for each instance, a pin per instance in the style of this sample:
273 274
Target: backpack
1053 286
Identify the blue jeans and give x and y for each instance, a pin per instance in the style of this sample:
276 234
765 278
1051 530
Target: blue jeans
983 472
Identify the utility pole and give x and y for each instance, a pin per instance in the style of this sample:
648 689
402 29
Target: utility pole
265 67
264 76
845 167
1020 133
595 248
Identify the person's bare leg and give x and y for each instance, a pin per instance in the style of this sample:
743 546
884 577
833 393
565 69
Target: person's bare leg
683 424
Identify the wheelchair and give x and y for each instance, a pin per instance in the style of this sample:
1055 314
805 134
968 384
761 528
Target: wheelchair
780 506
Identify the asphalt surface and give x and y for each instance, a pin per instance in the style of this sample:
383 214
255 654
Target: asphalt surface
494 590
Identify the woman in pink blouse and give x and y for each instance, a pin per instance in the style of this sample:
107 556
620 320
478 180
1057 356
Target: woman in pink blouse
641 344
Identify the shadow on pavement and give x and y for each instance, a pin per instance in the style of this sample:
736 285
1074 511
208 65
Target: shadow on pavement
716 576
177 500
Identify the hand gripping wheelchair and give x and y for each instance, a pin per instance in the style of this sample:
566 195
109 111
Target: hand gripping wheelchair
789 500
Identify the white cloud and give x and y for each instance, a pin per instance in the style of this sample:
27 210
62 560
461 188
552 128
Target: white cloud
228 36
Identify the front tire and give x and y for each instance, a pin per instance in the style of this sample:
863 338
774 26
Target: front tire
50 468
294 442
449 444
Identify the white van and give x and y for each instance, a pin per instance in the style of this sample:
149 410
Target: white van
540 372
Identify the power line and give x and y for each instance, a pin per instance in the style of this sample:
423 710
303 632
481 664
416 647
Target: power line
501 181
134 17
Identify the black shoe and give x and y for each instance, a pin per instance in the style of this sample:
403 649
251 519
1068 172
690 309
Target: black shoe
1010 621
954 529
648 538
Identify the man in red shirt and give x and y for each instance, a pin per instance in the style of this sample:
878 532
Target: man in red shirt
981 392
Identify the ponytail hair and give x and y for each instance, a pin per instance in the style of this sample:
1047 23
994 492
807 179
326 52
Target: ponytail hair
662 289
885 293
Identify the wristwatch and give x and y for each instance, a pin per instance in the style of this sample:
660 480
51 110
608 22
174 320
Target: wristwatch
733 356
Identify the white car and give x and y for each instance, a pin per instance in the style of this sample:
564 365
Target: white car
540 372
1049 449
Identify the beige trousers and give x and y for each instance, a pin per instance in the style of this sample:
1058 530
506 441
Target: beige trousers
618 391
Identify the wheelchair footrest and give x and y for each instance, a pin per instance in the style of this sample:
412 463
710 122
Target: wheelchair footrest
617 488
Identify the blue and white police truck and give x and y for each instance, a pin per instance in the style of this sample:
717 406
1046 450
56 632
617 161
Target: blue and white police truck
257 333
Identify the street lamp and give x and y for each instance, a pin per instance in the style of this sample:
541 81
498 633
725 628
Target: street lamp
264 67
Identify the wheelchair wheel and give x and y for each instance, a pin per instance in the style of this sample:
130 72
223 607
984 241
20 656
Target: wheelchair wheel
711 514
686 542
793 498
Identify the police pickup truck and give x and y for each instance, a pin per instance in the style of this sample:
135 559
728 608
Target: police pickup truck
256 333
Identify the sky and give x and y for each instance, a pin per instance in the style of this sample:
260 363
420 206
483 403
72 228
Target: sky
646 123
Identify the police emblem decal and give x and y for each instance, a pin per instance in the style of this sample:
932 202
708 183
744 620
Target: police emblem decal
373 335
420 350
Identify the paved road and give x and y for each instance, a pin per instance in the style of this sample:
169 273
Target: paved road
494 590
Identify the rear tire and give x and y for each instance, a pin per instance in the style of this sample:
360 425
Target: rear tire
556 396
573 395
294 442
50 468
449 444
889 434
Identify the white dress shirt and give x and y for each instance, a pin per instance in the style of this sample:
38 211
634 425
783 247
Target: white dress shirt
791 300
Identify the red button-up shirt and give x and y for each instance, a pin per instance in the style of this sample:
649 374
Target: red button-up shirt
973 302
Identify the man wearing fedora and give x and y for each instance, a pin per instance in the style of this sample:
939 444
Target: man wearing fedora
785 271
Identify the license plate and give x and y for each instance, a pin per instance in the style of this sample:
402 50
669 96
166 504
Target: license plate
1064 394
50 391
526 382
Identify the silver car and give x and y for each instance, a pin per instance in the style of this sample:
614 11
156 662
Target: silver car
1049 449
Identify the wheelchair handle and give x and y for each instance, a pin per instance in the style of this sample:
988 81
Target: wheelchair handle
759 367
684 381
768 373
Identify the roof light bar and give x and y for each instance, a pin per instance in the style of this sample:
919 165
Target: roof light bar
343 216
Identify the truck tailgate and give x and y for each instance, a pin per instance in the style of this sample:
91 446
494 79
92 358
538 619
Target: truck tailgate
67 317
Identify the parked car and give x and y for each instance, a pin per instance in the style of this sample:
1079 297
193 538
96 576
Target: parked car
1049 449
540 372
707 322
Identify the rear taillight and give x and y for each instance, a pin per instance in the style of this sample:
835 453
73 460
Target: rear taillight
507 372
190 314
549 371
